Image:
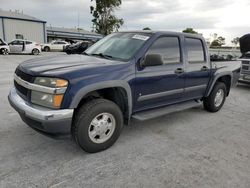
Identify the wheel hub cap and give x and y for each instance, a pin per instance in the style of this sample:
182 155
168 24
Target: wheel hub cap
102 128
219 97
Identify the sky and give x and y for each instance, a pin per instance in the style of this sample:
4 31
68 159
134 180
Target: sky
227 18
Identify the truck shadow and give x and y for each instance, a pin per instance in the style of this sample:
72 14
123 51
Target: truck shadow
243 86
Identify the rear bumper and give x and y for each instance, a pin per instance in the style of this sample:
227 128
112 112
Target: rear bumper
53 123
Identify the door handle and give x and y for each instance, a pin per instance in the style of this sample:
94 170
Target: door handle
204 68
179 70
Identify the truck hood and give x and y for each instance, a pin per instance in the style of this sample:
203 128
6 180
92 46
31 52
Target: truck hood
245 44
63 63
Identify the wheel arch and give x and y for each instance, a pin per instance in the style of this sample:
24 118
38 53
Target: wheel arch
225 77
47 47
116 91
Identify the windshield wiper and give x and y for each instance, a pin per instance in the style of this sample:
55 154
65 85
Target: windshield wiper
103 56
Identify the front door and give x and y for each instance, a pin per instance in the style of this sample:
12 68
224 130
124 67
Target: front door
16 46
161 85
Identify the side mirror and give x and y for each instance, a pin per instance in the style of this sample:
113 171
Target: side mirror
152 60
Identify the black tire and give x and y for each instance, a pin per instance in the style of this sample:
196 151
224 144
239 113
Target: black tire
46 49
209 102
68 52
4 51
82 124
35 52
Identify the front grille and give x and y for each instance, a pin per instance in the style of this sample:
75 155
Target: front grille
245 67
22 91
24 76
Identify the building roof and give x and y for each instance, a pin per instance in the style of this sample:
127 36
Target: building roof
19 16
70 30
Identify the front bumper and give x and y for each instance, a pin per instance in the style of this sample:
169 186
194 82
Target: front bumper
53 123
243 79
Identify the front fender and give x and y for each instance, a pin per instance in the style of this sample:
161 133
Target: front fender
102 85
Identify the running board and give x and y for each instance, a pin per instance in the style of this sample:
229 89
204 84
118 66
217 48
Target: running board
151 114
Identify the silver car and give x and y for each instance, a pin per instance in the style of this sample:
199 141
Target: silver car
24 47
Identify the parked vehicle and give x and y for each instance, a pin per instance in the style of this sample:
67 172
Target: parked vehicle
55 46
78 48
245 58
24 47
4 48
139 75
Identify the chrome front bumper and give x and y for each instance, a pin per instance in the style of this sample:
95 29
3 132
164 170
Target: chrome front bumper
243 80
47 121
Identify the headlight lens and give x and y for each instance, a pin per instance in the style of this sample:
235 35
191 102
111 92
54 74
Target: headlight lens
51 82
47 99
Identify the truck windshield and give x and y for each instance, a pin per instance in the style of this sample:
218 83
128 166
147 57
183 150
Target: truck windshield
118 46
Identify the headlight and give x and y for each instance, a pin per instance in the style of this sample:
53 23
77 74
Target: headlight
48 99
51 82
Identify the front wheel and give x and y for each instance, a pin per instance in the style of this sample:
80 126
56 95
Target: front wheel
5 51
97 125
46 49
216 99
35 52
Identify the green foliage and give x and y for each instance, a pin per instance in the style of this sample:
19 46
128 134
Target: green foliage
236 41
104 21
218 41
190 30
146 28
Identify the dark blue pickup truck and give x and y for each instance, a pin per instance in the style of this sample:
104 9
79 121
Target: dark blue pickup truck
139 75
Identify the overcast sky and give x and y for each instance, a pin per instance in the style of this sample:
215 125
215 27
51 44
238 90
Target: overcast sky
229 18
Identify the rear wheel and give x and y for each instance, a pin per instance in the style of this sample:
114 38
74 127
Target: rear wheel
35 52
97 125
4 51
216 99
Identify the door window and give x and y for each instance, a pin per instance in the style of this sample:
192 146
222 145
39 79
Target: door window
195 50
168 48
16 42
28 42
61 43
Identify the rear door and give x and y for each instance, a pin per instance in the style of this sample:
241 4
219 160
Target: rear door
62 45
28 46
54 46
161 85
198 68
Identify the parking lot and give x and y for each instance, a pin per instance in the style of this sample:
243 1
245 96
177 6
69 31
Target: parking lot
192 148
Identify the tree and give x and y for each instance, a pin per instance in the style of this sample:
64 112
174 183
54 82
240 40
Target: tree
146 28
236 41
105 22
190 30
218 41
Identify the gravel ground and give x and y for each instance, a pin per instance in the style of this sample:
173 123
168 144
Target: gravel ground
192 148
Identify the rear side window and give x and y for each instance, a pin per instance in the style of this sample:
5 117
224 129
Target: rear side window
61 43
28 42
195 50
168 48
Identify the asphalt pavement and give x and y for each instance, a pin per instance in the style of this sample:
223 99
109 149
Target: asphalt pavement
187 149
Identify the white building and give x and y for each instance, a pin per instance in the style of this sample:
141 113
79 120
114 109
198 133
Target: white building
16 25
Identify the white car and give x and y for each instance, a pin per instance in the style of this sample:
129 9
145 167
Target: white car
24 47
55 46
4 48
